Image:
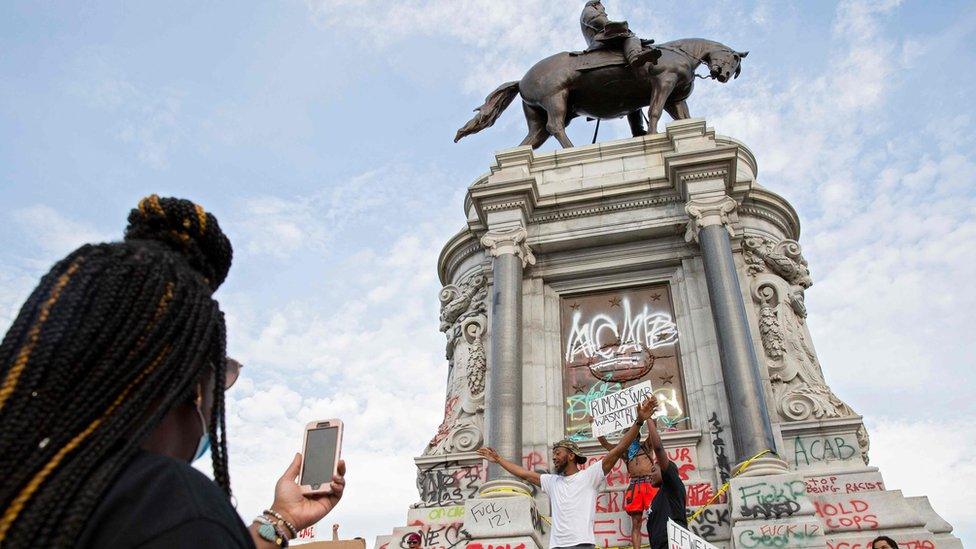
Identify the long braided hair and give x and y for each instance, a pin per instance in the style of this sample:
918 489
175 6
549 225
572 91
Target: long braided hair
113 337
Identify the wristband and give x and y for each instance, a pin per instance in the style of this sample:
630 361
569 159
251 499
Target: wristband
269 531
282 522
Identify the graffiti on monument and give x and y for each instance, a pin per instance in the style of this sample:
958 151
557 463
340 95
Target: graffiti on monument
906 543
451 482
718 446
435 536
614 531
771 500
822 450
847 515
778 535
713 523
847 484
615 339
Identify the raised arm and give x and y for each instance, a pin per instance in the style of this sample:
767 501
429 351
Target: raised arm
654 441
644 411
521 472
605 443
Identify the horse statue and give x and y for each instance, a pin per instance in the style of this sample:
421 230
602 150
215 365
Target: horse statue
600 85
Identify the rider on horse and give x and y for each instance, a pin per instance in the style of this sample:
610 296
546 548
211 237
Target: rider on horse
602 33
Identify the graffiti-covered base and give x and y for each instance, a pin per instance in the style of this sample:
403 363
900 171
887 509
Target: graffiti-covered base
614 293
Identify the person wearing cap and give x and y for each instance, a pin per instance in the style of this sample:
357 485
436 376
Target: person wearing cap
573 491
413 540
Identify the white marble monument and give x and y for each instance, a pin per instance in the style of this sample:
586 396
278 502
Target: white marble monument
661 258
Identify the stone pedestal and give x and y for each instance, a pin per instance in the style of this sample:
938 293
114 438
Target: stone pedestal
511 522
581 271
774 511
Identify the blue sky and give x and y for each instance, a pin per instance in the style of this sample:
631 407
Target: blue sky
320 133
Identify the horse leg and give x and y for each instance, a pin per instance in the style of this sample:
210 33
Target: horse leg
678 110
555 106
658 98
636 121
536 119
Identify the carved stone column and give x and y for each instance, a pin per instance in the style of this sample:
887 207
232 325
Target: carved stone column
711 227
503 403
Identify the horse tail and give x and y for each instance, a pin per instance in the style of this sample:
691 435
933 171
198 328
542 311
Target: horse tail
496 102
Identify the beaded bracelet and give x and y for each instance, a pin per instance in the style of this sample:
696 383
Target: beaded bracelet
291 527
270 531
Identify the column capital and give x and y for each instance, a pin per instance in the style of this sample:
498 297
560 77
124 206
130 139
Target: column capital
509 240
705 212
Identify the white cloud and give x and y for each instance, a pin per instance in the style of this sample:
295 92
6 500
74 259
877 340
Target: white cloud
282 226
146 118
502 37
53 233
926 458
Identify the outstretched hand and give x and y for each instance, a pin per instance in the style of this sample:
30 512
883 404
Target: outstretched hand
489 453
304 510
646 409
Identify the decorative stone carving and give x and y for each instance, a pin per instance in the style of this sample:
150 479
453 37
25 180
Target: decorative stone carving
779 276
713 211
466 299
785 259
509 241
864 441
463 320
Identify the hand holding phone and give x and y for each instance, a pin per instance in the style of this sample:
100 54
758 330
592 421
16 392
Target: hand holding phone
299 502
323 441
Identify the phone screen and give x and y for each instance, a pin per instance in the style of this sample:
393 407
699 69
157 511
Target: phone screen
320 455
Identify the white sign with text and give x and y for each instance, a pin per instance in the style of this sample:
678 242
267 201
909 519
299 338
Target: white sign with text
680 538
618 411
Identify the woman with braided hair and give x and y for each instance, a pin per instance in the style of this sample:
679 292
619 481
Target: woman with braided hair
112 381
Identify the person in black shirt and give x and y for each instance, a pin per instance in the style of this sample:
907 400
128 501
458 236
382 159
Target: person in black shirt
112 381
669 502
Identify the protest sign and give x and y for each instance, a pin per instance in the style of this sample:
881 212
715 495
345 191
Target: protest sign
681 538
617 411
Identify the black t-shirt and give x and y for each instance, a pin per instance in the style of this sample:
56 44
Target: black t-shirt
160 502
668 503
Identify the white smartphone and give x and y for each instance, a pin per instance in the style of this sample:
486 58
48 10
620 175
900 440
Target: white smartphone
320 455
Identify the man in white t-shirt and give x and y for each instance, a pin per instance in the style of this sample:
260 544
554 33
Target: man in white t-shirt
573 491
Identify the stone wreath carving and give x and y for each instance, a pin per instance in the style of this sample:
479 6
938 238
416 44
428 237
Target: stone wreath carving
463 320
779 276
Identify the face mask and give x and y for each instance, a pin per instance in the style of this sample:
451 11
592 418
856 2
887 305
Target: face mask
204 444
633 449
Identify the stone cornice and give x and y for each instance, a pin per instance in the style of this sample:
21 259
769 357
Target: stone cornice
597 209
461 246
568 179
772 207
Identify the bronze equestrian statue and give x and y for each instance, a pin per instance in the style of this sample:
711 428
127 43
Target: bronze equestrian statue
600 83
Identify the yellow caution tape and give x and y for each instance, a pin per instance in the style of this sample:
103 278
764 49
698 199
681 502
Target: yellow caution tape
505 489
742 467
